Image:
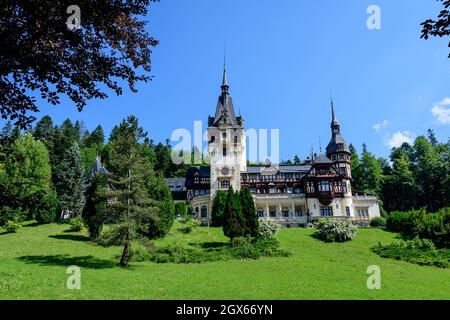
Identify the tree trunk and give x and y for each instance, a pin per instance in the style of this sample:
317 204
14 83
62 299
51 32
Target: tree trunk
125 254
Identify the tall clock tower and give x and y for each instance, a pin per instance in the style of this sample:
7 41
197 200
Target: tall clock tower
226 144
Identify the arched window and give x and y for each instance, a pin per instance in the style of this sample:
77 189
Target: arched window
204 212
213 138
224 150
225 184
235 139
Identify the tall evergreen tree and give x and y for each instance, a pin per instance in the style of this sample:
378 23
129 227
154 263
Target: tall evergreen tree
251 220
69 185
133 208
95 209
233 225
218 209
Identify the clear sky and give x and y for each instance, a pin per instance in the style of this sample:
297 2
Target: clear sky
284 59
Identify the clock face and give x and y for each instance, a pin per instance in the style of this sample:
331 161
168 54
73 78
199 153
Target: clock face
225 171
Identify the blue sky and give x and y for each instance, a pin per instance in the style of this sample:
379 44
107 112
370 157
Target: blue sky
284 58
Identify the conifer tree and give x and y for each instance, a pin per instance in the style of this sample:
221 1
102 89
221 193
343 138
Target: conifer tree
95 210
70 182
233 225
218 209
251 220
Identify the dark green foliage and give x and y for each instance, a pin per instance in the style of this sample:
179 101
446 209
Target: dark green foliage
190 211
95 210
70 182
439 27
251 220
239 248
48 209
180 209
400 222
418 251
160 223
378 222
11 214
233 225
188 226
12 226
76 224
218 209
136 192
95 139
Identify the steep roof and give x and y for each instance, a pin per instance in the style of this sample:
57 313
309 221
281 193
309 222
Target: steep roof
97 167
337 142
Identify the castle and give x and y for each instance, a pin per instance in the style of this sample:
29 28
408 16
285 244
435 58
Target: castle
292 195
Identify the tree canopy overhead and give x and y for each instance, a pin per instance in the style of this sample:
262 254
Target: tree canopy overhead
439 27
41 55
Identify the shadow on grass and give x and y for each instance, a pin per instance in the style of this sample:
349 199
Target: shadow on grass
211 246
73 237
32 224
89 262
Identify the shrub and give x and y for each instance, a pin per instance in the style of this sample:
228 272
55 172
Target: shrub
268 228
188 225
400 222
418 251
378 222
189 210
180 208
333 230
48 208
76 224
12 226
11 214
433 226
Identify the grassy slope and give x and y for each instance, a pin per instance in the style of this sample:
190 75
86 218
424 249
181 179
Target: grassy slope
33 266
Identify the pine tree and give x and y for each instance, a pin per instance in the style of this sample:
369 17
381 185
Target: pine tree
218 209
233 225
132 207
95 210
70 182
251 220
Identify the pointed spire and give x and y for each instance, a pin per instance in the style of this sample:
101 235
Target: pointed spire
225 79
333 116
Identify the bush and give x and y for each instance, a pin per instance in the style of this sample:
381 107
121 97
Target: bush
188 225
333 230
189 210
433 226
400 222
180 208
378 222
47 209
268 228
12 226
418 251
11 214
76 224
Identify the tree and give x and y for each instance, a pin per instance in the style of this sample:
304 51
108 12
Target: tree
355 164
132 208
95 139
54 59
95 210
371 173
26 174
233 225
218 209
251 220
399 189
180 209
440 27
44 131
297 161
70 182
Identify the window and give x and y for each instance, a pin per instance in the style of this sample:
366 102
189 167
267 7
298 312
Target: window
345 187
324 186
290 190
342 171
260 213
224 135
347 211
298 212
213 138
204 212
272 190
285 213
273 213
235 139
326 211
225 184
362 212
224 151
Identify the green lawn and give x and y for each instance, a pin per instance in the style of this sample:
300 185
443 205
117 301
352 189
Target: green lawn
33 266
